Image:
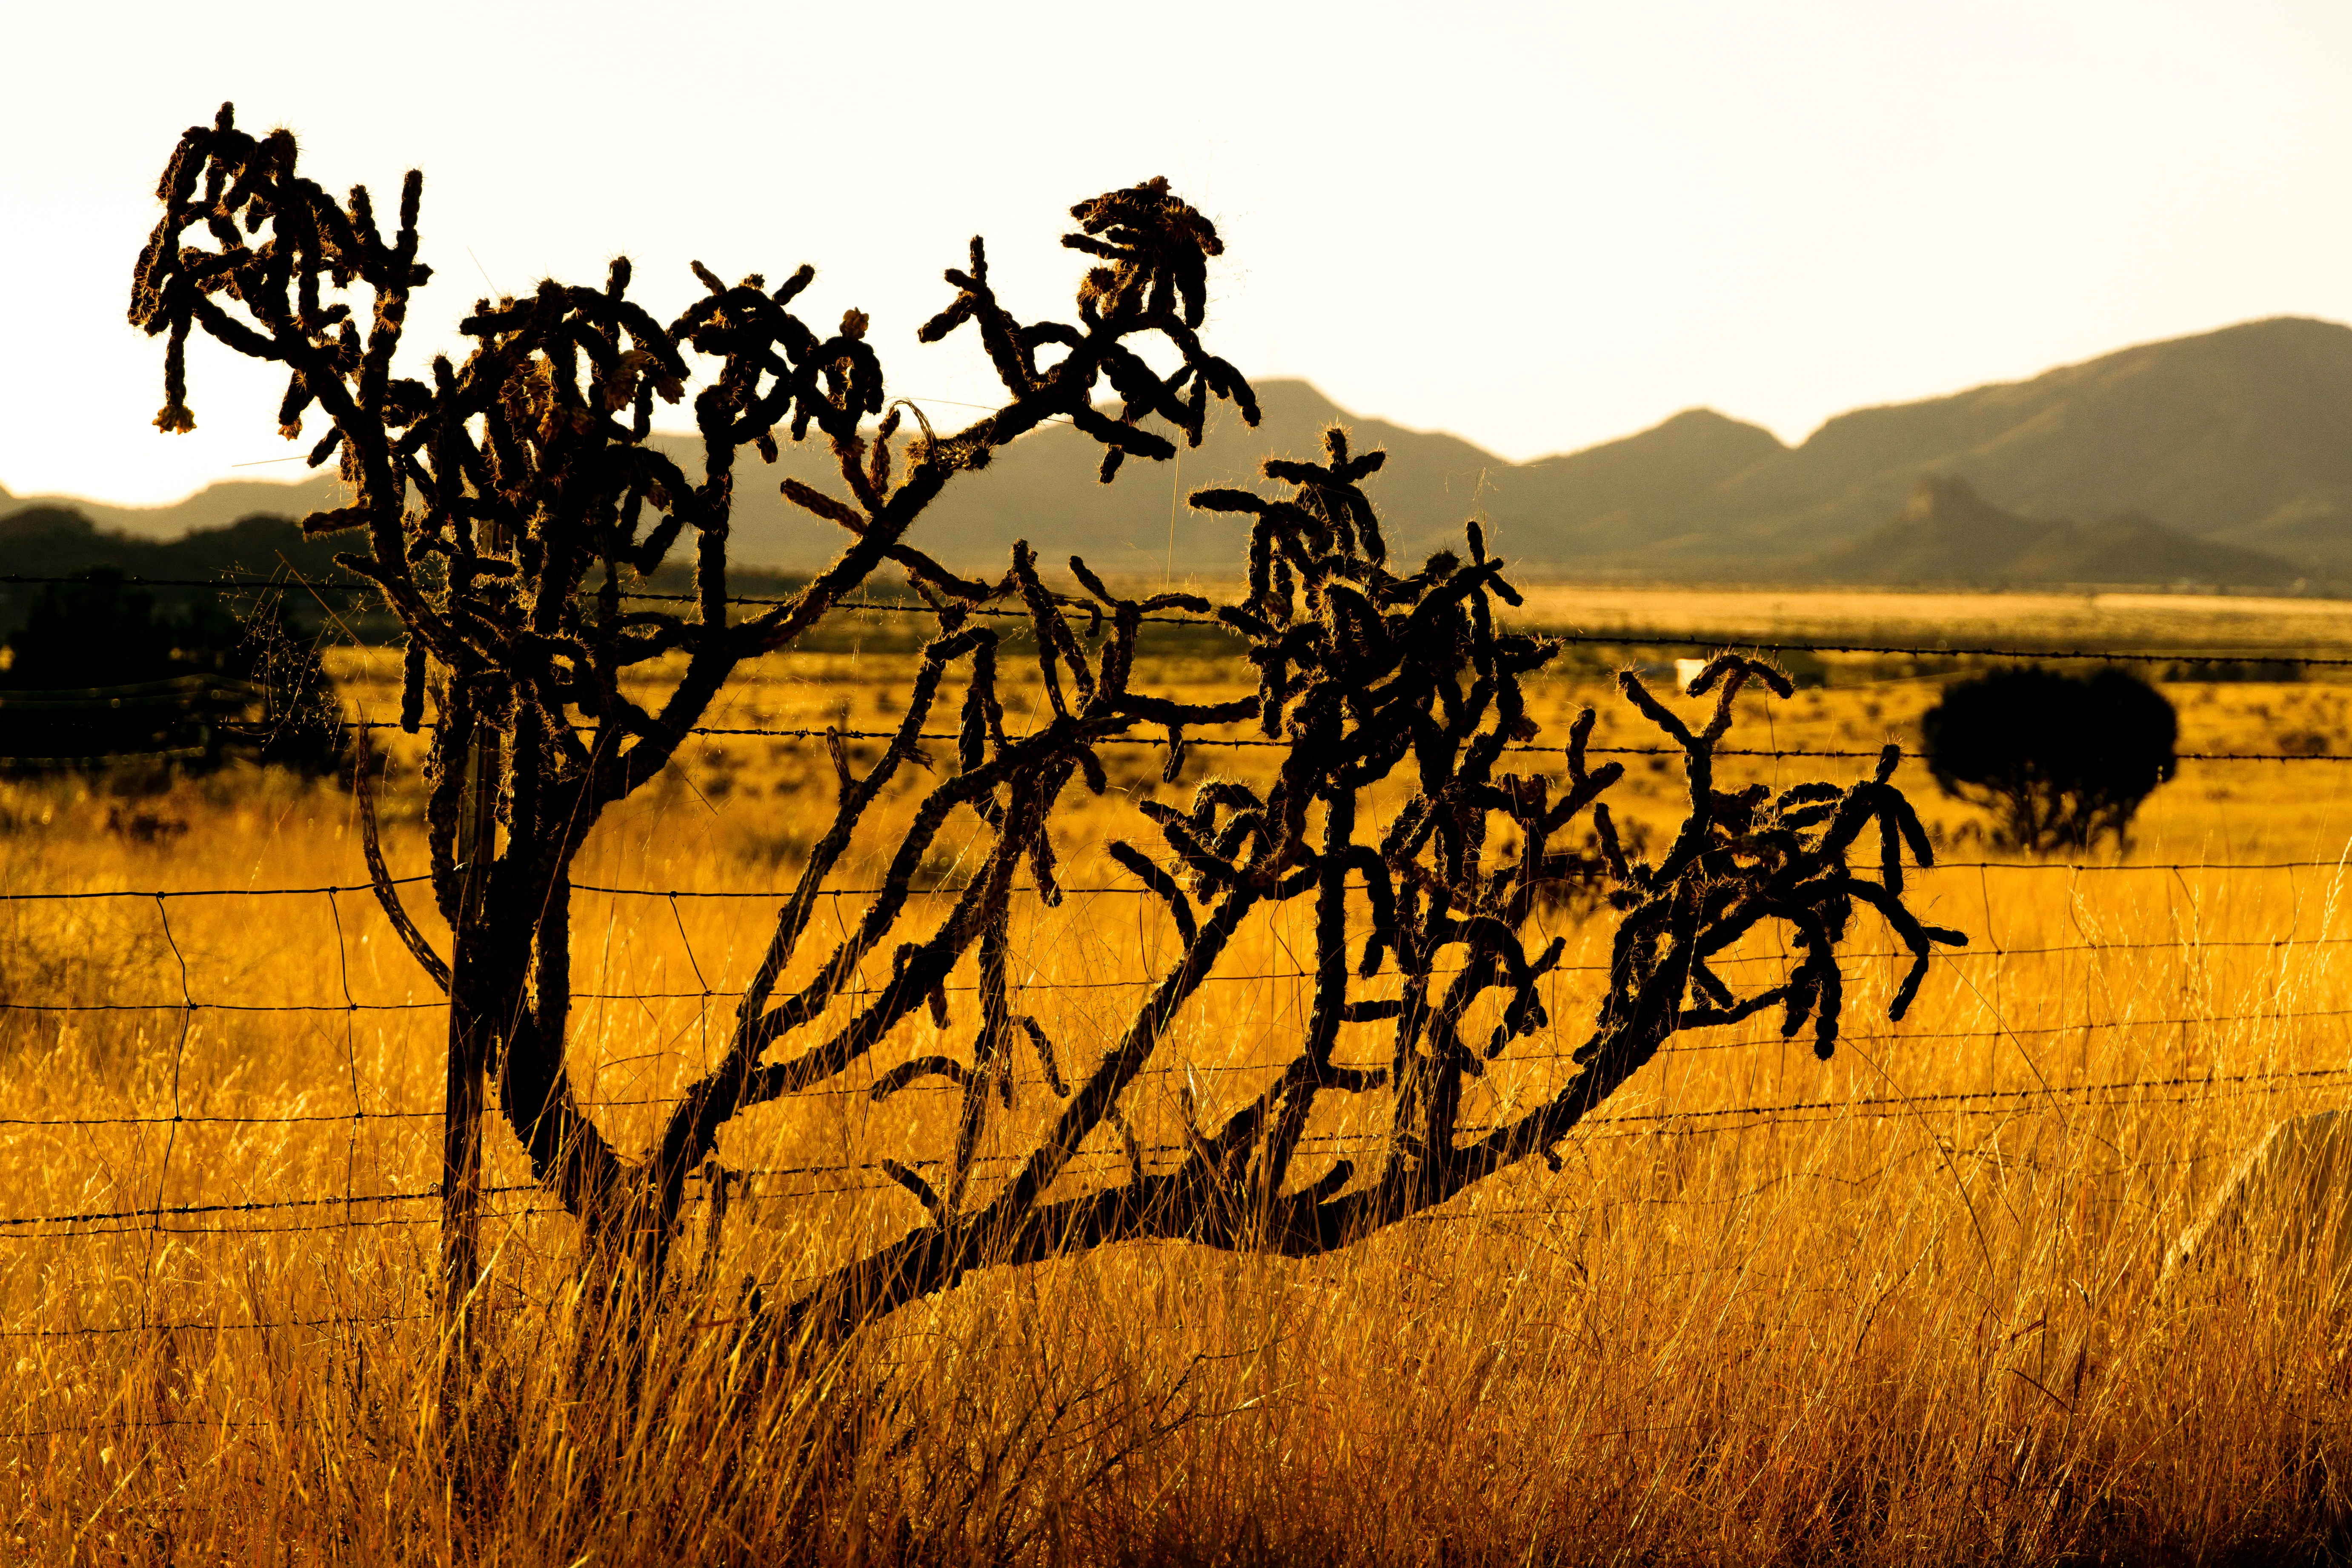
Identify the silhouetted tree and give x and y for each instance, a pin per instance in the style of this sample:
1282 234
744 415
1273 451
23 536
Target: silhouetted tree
100 630
503 502
2059 760
226 676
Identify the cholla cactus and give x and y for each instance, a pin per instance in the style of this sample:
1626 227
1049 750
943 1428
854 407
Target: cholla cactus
1364 676
501 503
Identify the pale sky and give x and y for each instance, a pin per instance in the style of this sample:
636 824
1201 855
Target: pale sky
1536 227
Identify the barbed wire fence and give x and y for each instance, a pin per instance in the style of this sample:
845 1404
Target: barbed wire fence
317 1212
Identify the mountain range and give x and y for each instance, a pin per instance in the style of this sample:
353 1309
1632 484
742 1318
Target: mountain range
1946 533
2224 458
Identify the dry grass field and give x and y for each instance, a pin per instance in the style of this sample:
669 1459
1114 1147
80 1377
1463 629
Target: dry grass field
1932 618
1899 1306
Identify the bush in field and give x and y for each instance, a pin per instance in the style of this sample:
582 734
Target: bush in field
505 504
205 684
2059 760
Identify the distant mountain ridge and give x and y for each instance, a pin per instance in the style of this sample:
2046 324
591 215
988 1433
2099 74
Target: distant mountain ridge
1949 534
2240 437
2233 447
217 505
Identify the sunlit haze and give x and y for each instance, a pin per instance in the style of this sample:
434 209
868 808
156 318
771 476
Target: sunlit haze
1535 227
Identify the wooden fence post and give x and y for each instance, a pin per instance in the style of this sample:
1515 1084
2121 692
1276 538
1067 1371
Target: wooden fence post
463 1102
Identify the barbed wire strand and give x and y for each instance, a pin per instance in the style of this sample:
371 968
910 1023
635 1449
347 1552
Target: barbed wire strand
951 889
1812 1110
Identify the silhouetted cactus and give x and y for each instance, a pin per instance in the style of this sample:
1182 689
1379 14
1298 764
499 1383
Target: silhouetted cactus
2059 760
501 503
1364 675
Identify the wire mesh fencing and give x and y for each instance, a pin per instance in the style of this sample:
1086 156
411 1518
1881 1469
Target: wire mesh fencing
2284 1034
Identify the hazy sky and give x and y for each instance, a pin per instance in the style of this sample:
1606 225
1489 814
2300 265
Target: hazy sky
1539 226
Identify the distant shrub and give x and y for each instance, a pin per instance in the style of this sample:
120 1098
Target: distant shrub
2060 760
105 673
100 630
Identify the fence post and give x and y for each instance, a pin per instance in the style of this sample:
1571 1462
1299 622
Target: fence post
463 1098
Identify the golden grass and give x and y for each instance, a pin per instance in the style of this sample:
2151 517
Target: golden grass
1881 1327
2150 621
